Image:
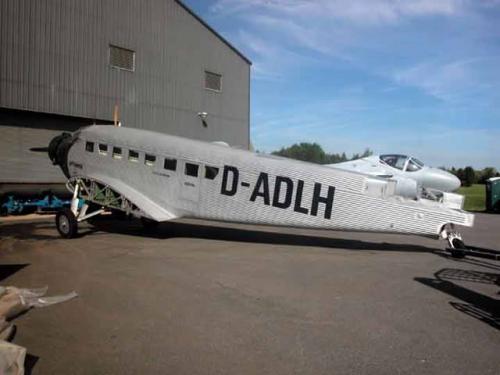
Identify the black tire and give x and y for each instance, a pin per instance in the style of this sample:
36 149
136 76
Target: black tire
66 223
458 244
149 224
457 253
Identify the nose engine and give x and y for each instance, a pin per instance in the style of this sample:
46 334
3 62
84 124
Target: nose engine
58 151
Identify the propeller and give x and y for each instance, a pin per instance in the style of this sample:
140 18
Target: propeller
39 149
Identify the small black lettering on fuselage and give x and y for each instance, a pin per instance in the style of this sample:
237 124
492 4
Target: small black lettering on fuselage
161 174
287 193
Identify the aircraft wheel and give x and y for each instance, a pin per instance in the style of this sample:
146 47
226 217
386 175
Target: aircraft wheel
66 223
458 248
457 254
149 224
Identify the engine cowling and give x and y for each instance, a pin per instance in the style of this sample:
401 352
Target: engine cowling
58 151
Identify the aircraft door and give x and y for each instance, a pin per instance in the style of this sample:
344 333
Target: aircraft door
190 182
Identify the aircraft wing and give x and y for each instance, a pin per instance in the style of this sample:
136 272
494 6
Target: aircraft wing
145 204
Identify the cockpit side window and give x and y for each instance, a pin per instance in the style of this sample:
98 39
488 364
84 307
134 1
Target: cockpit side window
395 161
412 166
418 162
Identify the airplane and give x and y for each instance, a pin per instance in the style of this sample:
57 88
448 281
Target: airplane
158 177
413 176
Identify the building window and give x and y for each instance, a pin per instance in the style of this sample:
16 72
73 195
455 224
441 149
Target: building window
117 152
133 156
149 160
121 58
103 149
89 146
211 172
213 81
170 164
191 170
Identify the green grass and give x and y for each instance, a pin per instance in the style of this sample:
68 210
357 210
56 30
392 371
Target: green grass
475 197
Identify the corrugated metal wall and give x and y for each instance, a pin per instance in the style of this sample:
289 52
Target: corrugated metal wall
22 130
54 59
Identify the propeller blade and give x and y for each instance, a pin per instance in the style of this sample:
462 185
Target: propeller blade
39 149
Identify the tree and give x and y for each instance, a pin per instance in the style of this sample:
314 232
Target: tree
311 152
469 176
486 173
366 153
314 153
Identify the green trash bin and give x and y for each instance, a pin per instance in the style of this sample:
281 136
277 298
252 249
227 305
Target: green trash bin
493 194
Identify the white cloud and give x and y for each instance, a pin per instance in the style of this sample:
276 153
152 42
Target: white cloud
445 49
270 61
362 11
451 81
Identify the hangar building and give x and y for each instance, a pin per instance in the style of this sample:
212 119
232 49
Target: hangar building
68 63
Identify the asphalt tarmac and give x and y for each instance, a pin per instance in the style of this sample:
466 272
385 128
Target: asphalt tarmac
211 298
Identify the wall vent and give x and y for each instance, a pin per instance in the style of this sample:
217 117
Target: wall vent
121 58
213 81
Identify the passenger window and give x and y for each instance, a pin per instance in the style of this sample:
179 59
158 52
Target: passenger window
149 160
117 152
191 170
89 146
170 164
133 156
103 149
211 172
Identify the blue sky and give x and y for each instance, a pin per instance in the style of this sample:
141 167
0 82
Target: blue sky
420 77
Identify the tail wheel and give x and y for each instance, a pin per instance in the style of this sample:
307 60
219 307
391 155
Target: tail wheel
458 247
66 223
458 244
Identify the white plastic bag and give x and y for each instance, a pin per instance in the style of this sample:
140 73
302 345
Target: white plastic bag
14 301
11 358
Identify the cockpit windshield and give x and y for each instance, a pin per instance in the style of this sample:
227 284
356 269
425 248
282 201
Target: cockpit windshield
395 161
400 161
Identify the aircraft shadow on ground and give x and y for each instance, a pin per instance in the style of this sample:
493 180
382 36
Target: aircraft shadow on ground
211 232
491 264
477 305
7 270
37 231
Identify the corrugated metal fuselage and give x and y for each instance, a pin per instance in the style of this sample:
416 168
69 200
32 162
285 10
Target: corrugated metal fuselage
251 188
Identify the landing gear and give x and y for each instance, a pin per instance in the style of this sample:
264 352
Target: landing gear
66 223
90 199
458 250
149 224
457 246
